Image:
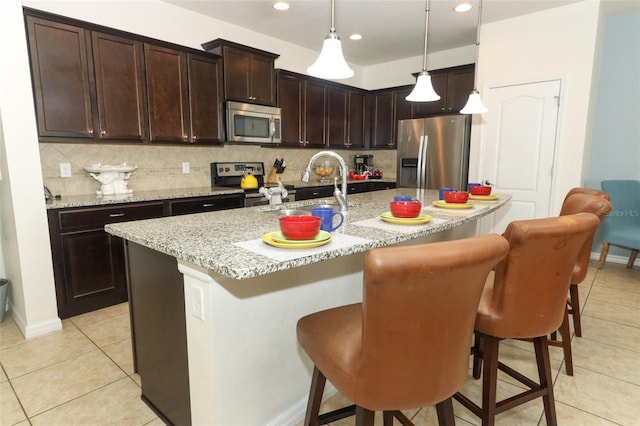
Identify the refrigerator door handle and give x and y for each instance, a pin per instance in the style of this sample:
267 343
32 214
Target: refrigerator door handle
422 159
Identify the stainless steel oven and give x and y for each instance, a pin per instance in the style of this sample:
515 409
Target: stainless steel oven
229 175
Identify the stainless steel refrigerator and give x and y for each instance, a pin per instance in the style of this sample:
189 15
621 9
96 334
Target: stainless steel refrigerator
433 152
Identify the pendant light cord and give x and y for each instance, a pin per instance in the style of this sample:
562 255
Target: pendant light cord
333 16
475 74
426 33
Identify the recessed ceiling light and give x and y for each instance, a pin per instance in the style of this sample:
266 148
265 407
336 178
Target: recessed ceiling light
355 36
281 5
463 7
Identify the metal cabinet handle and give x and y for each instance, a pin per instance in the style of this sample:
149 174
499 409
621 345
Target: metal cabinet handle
103 132
116 215
208 205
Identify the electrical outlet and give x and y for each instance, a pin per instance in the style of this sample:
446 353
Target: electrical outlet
65 170
186 167
197 301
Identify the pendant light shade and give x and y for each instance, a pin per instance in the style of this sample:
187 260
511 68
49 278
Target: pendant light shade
474 104
331 64
423 90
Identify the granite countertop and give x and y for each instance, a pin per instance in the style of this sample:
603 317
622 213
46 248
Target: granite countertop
137 196
229 242
87 200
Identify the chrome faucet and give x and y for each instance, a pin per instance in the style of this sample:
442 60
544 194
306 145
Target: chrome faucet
341 195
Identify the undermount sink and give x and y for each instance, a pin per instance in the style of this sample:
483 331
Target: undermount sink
302 209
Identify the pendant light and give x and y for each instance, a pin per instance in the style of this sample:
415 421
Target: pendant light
331 64
474 103
423 90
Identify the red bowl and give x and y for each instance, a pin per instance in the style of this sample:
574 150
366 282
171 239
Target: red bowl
405 209
456 197
480 190
300 227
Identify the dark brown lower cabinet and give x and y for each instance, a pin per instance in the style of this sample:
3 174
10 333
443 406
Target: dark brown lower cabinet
159 332
89 264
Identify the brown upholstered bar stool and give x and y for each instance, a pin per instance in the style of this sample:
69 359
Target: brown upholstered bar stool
587 191
592 201
526 298
407 344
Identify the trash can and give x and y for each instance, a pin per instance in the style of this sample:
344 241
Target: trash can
4 292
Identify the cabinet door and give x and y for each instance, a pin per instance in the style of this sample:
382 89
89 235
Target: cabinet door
315 113
291 103
382 120
62 78
423 109
237 75
337 117
93 270
167 93
355 120
262 81
459 85
205 101
205 204
119 87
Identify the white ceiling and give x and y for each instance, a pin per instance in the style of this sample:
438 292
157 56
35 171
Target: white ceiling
391 30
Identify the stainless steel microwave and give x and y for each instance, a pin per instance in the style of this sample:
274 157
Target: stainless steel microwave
249 123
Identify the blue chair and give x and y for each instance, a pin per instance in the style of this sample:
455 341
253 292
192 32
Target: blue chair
622 226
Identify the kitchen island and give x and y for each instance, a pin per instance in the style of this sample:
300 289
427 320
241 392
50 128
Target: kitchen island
214 308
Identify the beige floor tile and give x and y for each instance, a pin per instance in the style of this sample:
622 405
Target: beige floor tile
108 330
612 312
155 422
573 416
620 277
137 379
428 416
620 363
3 376
118 403
54 385
611 333
122 354
100 314
10 410
600 395
10 334
39 352
615 295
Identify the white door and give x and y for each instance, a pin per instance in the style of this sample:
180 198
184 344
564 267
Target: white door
518 139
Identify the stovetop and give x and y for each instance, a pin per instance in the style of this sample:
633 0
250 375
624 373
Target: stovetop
229 175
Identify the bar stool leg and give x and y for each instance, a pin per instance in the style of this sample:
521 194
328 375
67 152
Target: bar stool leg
477 356
445 413
364 417
315 398
489 346
575 309
544 373
566 343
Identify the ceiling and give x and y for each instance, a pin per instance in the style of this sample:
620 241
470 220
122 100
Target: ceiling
391 30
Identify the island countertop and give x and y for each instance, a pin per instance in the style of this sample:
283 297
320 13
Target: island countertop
222 241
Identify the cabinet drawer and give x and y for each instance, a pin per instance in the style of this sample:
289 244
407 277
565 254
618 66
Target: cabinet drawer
314 192
97 217
205 204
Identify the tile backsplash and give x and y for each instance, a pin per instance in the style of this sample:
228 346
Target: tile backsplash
160 167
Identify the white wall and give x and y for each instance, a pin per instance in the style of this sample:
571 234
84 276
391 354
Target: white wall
25 242
557 43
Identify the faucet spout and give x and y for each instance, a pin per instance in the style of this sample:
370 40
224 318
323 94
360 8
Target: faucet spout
340 194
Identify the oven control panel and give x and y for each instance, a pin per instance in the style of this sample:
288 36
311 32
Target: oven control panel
234 169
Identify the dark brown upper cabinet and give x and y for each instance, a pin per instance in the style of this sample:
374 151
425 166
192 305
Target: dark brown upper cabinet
303 102
249 74
62 78
346 118
386 107
120 87
184 105
453 85
86 84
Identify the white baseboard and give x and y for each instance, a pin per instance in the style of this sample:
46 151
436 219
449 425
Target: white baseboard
295 414
612 258
34 330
